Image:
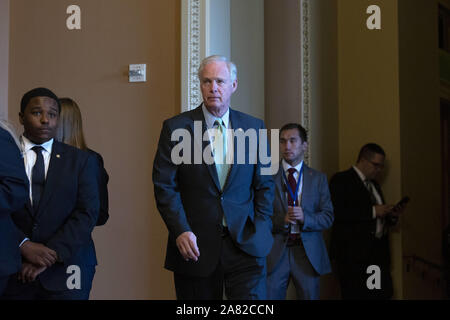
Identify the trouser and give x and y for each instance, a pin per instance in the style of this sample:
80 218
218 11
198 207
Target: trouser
243 276
354 275
293 265
17 290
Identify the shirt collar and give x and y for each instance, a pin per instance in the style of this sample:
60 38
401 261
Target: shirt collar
360 174
210 118
287 166
28 145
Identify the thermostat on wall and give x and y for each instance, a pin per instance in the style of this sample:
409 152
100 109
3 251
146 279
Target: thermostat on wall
138 73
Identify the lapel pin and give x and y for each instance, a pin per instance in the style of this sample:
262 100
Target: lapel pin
58 156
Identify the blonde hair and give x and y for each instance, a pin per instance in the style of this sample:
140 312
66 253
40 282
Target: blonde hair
70 126
8 127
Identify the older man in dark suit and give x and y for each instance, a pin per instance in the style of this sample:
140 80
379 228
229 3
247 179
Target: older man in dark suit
302 210
218 213
13 195
54 227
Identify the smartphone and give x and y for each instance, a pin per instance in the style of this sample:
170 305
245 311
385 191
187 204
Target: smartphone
401 203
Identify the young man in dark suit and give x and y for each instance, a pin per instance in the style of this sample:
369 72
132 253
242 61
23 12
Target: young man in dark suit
302 209
218 214
360 235
55 226
14 192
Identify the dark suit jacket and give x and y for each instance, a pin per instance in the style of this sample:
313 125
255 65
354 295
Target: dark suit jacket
189 198
102 179
67 213
353 233
14 193
318 211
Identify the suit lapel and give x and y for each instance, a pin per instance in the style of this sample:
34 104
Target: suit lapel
197 115
53 175
362 188
307 181
281 190
378 188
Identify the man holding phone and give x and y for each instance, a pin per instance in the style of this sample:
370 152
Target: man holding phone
360 236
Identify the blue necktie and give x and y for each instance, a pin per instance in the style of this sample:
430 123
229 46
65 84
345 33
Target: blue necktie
38 177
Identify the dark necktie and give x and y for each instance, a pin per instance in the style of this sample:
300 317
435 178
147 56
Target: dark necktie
292 185
373 200
291 202
38 177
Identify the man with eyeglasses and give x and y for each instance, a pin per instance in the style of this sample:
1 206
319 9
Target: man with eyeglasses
360 234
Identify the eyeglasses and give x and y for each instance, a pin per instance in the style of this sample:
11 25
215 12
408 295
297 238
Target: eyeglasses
379 166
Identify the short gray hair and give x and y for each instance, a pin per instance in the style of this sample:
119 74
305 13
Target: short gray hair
215 58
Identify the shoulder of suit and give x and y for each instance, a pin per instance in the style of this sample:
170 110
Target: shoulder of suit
313 171
182 118
343 174
253 121
97 155
68 149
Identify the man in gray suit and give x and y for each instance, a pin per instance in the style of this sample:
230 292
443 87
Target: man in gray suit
302 210
218 214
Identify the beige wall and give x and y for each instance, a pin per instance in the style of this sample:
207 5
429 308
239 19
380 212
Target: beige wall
282 62
369 106
247 51
4 57
420 143
122 120
323 139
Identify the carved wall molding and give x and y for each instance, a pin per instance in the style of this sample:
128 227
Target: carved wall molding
193 39
305 69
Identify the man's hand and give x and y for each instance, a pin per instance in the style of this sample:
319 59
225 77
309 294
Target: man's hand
38 254
187 245
397 210
294 214
29 272
383 209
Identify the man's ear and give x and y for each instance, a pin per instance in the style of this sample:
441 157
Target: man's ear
21 118
234 85
305 146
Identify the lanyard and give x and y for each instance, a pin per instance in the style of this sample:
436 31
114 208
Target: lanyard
291 192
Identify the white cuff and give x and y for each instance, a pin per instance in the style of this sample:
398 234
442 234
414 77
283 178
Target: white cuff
23 241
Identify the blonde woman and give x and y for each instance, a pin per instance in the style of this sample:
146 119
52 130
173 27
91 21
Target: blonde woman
70 131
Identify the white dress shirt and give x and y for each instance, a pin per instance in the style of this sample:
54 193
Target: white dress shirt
295 228
29 158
